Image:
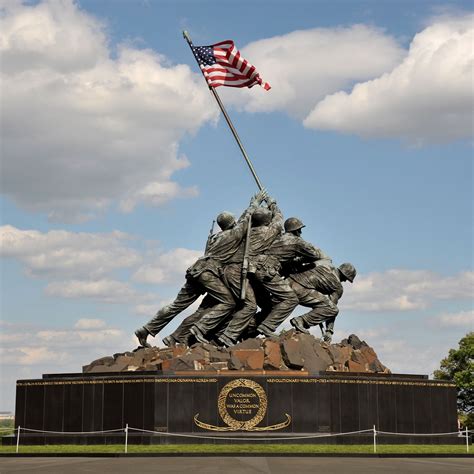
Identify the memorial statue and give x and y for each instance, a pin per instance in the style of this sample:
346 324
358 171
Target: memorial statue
204 275
319 287
269 252
258 261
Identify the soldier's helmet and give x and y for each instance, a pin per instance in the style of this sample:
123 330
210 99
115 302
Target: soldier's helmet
348 270
225 220
292 224
261 216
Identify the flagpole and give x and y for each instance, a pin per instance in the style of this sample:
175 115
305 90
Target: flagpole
227 118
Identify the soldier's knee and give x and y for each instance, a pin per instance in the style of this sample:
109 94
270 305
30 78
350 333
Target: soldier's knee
334 309
252 306
229 304
291 300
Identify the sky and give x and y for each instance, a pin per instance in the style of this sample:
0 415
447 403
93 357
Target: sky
115 161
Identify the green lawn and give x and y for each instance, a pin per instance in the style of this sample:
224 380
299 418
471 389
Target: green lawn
6 427
242 448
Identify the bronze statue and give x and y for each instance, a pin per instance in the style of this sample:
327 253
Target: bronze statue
319 287
204 275
252 264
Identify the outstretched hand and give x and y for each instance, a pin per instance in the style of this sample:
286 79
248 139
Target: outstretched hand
262 195
270 200
259 197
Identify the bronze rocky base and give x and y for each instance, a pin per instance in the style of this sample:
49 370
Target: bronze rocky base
288 351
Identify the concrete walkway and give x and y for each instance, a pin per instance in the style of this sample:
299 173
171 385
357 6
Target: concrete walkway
236 465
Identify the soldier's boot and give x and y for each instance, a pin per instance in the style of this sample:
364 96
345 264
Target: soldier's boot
298 324
226 341
142 334
199 335
190 340
264 331
328 336
169 341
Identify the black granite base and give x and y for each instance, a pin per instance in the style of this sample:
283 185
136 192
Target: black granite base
240 405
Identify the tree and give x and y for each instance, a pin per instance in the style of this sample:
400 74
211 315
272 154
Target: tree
459 367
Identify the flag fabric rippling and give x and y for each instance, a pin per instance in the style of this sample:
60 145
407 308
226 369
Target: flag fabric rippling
222 65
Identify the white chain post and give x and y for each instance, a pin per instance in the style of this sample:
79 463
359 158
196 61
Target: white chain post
18 438
375 440
467 441
126 438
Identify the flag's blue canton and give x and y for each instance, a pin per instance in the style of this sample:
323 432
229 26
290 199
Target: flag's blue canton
204 55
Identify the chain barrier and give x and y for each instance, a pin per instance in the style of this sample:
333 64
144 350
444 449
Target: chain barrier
419 434
126 430
228 438
73 432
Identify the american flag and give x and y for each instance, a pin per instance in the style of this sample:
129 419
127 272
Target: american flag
222 65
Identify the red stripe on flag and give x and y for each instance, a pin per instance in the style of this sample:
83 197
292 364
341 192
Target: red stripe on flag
231 69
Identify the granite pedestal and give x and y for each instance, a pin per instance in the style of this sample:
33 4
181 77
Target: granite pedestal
236 404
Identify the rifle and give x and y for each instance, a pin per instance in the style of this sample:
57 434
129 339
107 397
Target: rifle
211 233
245 263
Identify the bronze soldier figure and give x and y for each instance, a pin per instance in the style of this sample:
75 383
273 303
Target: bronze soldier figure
319 286
182 334
232 276
288 250
266 251
204 275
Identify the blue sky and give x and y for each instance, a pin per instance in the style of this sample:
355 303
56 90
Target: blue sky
115 161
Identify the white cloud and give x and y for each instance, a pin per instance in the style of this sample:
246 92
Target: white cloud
35 355
83 265
60 346
169 266
79 337
39 350
156 194
6 338
402 357
38 37
146 309
401 354
426 98
85 323
460 319
369 335
403 348
103 291
304 66
85 128
402 290
40 355
59 253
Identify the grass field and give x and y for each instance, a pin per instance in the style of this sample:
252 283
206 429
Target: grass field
6 427
243 448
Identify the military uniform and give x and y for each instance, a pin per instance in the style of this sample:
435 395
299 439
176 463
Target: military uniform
268 250
201 279
204 276
261 238
182 332
284 252
231 274
320 288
